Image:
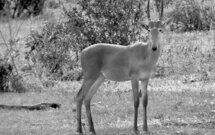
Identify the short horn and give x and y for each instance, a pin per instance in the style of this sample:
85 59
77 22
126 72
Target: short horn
148 10
161 13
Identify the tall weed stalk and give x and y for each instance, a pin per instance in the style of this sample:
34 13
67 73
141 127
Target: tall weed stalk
15 79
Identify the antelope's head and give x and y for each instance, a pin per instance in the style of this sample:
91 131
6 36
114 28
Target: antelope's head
154 28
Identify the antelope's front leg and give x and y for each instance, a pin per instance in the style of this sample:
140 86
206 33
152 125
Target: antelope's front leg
135 88
144 84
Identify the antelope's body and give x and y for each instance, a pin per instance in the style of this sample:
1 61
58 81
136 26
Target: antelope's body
119 63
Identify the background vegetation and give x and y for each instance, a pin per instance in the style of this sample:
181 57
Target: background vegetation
53 51
40 52
120 22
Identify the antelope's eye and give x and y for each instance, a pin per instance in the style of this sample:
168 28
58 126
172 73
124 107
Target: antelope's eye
160 30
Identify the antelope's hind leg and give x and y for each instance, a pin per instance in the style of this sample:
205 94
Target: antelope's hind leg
87 101
79 101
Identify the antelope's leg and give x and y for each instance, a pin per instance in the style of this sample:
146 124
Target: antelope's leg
79 101
144 84
135 88
87 101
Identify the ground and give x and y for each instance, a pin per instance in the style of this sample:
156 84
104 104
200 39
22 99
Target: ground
177 109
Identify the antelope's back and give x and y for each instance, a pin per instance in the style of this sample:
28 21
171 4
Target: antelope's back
97 57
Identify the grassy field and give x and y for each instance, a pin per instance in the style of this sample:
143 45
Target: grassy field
174 108
178 104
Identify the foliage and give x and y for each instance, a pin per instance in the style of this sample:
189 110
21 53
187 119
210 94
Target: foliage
189 15
51 48
166 4
5 72
52 4
32 7
3 7
11 80
189 54
57 47
117 22
20 8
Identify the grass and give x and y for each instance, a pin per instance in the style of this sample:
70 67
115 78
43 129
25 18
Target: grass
173 112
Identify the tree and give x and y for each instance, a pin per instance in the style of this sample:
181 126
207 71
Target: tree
90 22
117 22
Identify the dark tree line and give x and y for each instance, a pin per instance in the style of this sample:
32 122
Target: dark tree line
18 8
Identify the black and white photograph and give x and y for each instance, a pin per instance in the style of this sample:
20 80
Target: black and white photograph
107 67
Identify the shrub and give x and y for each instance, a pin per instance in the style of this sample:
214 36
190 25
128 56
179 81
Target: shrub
30 7
117 22
10 79
5 73
21 8
189 15
2 4
3 7
90 22
51 49
9 82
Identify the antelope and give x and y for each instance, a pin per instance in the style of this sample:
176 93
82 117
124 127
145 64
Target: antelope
120 63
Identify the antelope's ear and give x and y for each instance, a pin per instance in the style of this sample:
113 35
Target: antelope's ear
162 26
145 26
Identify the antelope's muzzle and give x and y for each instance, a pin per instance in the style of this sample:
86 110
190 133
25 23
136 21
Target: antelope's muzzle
154 48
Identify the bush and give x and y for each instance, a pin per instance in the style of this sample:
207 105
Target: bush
190 15
20 8
29 7
51 49
2 4
3 7
90 22
10 82
117 22
5 73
